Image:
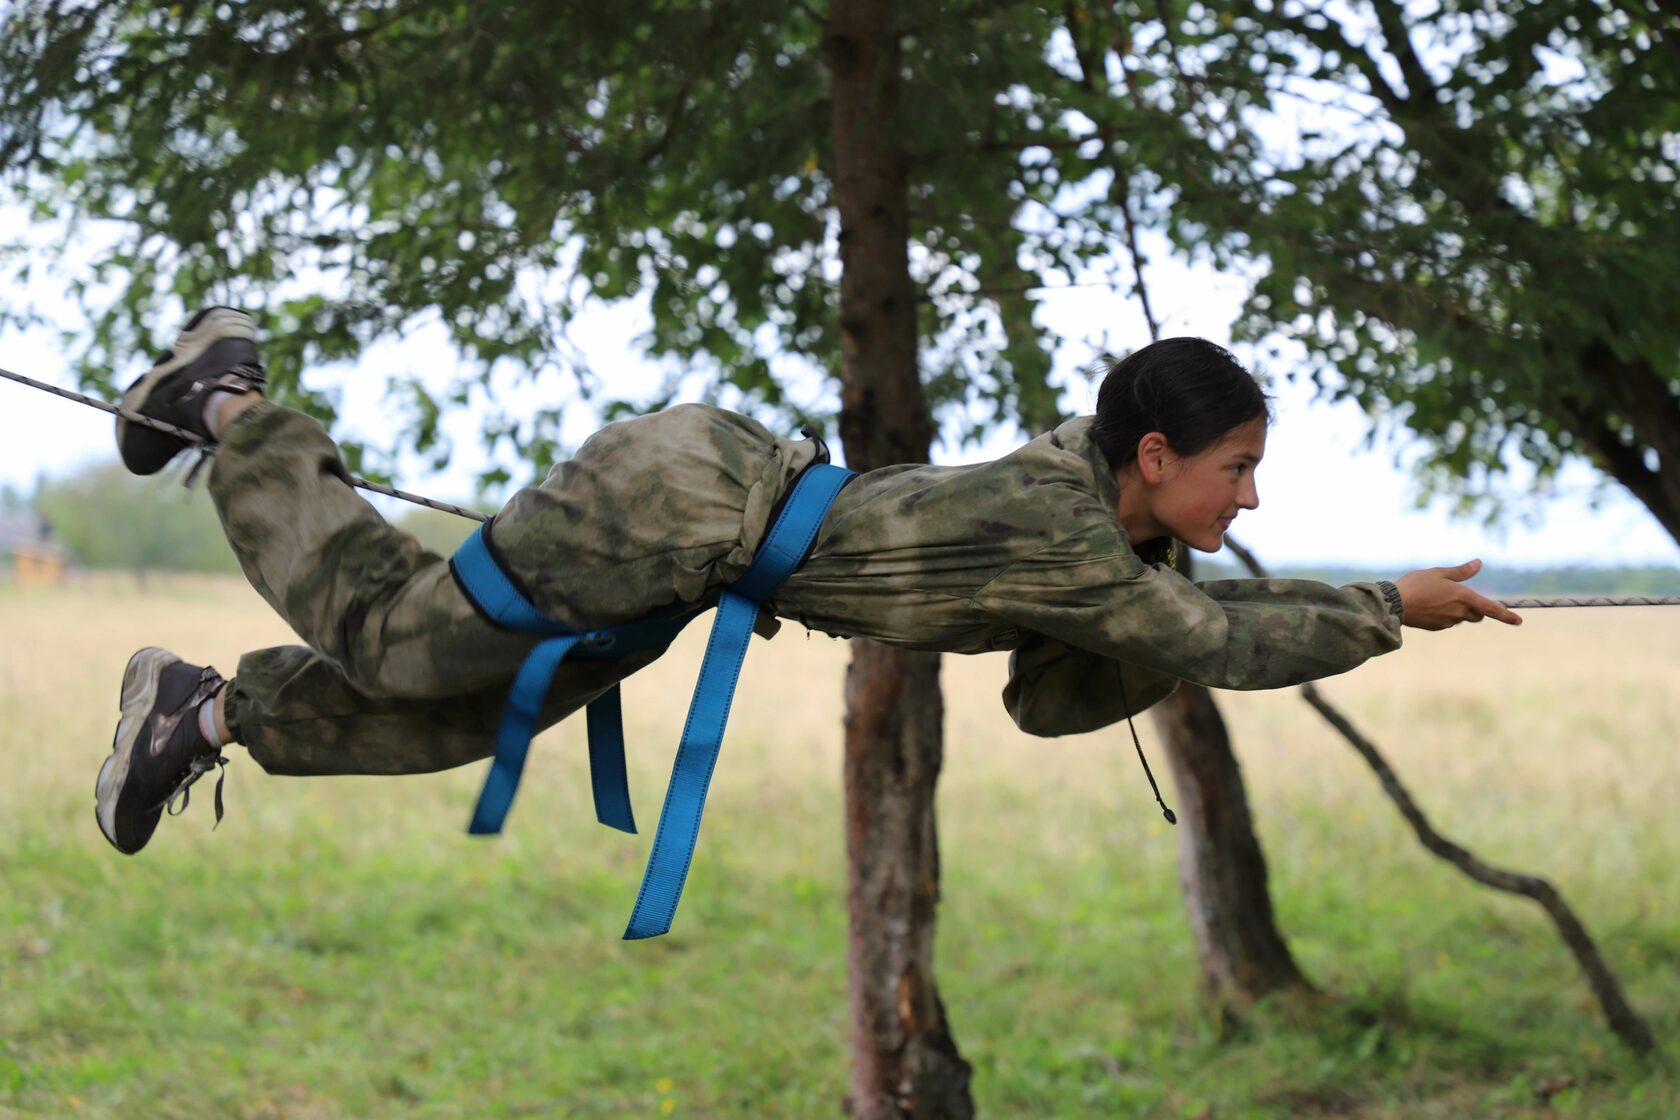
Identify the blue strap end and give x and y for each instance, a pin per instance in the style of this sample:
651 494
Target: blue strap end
611 785
513 737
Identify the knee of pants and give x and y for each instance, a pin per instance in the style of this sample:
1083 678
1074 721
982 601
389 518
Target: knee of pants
441 665
379 675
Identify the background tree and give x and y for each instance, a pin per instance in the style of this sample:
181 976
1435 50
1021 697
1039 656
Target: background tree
108 518
1466 223
1463 218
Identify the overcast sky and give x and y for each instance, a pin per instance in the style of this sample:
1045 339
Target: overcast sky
1325 496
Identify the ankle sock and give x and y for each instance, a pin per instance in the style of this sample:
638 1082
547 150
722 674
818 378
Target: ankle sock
207 720
213 404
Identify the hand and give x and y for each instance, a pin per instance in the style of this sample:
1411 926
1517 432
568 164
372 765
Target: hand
1436 598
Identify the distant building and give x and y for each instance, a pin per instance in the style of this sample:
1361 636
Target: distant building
29 556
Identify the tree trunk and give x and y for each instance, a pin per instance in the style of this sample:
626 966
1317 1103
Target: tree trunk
905 1063
1643 404
1242 955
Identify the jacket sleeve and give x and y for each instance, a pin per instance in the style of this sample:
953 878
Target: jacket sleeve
1056 689
1236 634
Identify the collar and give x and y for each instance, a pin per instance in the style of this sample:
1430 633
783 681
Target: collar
1075 437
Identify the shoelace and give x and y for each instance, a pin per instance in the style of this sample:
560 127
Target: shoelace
196 769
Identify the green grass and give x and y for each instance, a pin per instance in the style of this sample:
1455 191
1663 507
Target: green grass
339 949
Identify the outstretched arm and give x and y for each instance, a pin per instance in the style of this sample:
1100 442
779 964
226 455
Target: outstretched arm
1249 633
1234 634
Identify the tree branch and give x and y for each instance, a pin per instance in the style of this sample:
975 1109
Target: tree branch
1071 13
1623 1019
1420 87
1123 188
990 291
679 106
1623 463
1330 38
1014 144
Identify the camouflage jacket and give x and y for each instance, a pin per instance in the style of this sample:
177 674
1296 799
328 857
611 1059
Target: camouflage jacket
1025 554
1022 554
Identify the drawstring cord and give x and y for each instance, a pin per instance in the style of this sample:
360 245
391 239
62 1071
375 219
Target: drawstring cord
1172 818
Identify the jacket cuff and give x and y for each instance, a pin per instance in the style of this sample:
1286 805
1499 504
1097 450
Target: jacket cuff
1392 594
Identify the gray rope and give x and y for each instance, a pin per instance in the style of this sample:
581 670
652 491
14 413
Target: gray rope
432 503
180 433
1593 601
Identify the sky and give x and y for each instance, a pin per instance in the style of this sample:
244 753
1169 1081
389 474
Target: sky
1326 496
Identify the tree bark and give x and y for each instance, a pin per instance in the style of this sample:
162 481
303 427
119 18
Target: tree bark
1220 866
905 1062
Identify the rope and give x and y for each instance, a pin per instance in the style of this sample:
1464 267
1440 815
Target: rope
433 503
1593 601
147 421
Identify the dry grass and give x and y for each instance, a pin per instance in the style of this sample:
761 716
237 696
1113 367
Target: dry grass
1550 748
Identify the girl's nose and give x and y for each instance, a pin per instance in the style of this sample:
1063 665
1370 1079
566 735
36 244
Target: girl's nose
1249 497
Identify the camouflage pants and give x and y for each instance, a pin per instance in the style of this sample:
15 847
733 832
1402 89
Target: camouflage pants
400 673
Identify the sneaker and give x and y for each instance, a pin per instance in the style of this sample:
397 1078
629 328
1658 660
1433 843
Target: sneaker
217 350
158 751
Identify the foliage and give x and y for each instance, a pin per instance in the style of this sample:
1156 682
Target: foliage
355 168
109 518
1466 214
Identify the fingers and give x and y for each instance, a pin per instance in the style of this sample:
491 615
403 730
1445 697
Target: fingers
1477 605
1463 571
1488 608
1435 598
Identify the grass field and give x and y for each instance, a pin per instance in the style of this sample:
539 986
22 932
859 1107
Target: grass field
339 948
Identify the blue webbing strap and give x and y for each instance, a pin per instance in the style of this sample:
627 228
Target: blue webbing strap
495 594
685 798
606 762
513 738
493 591
783 549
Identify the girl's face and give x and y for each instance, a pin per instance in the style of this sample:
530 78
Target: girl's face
1194 498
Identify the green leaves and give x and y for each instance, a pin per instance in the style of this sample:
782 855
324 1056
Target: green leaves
1456 210
349 170
1460 247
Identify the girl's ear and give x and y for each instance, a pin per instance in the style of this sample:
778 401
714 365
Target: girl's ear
1152 455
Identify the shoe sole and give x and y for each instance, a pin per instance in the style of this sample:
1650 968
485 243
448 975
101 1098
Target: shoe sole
204 330
139 695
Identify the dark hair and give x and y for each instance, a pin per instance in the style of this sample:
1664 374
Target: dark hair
1188 389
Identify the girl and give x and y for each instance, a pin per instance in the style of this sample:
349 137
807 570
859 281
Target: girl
1054 552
